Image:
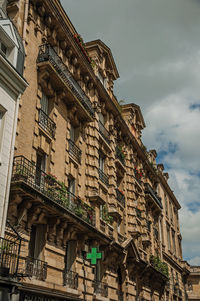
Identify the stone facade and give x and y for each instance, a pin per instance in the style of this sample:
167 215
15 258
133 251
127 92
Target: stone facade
193 283
82 177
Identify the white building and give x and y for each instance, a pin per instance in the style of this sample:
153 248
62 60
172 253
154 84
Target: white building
12 85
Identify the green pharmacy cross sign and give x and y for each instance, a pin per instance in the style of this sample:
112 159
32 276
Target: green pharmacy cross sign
94 255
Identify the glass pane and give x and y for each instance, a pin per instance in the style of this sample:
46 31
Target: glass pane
44 103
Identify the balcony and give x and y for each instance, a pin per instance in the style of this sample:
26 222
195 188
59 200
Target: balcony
160 266
101 288
9 257
120 155
103 178
36 268
62 78
47 124
120 197
26 172
104 133
70 279
74 151
153 196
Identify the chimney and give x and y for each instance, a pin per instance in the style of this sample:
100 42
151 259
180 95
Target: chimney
3 6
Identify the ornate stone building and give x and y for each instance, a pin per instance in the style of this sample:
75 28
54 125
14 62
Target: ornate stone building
193 283
87 200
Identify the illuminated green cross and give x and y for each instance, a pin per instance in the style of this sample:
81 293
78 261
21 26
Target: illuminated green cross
94 255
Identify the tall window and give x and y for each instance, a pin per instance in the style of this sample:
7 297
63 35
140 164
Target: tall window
168 238
44 104
37 242
70 255
101 162
173 241
72 133
166 205
101 118
71 189
40 166
171 211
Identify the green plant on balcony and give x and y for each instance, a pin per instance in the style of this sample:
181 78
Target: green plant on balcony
50 179
159 265
106 216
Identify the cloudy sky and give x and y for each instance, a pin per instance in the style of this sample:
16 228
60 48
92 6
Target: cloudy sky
156 46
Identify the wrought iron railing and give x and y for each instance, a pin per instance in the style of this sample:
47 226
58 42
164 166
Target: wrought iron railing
70 279
9 257
75 151
120 197
101 288
26 171
120 295
157 199
103 177
104 133
120 155
48 53
47 123
35 268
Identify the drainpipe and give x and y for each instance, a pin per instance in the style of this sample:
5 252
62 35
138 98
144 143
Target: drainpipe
25 21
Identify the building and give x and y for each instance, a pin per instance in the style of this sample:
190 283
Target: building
12 85
193 283
85 193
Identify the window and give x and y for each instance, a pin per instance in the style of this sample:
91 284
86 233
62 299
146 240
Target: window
71 189
166 204
70 255
40 166
168 238
37 242
44 104
171 212
101 162
173 241
72 133
3 48
101 118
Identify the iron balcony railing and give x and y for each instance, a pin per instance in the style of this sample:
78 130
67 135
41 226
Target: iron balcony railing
36 268
101 288
120 197
48 54
9 257
74 151
104 133
157 199
103 177
120 155
26 171
47 123
70 279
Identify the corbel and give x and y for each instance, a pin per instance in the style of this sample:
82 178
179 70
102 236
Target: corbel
52 228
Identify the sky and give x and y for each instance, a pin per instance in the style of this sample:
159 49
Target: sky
156 47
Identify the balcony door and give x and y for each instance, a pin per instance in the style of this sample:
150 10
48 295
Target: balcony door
44 104
71 189
40 167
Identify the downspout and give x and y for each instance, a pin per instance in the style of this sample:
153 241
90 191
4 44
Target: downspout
25 21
